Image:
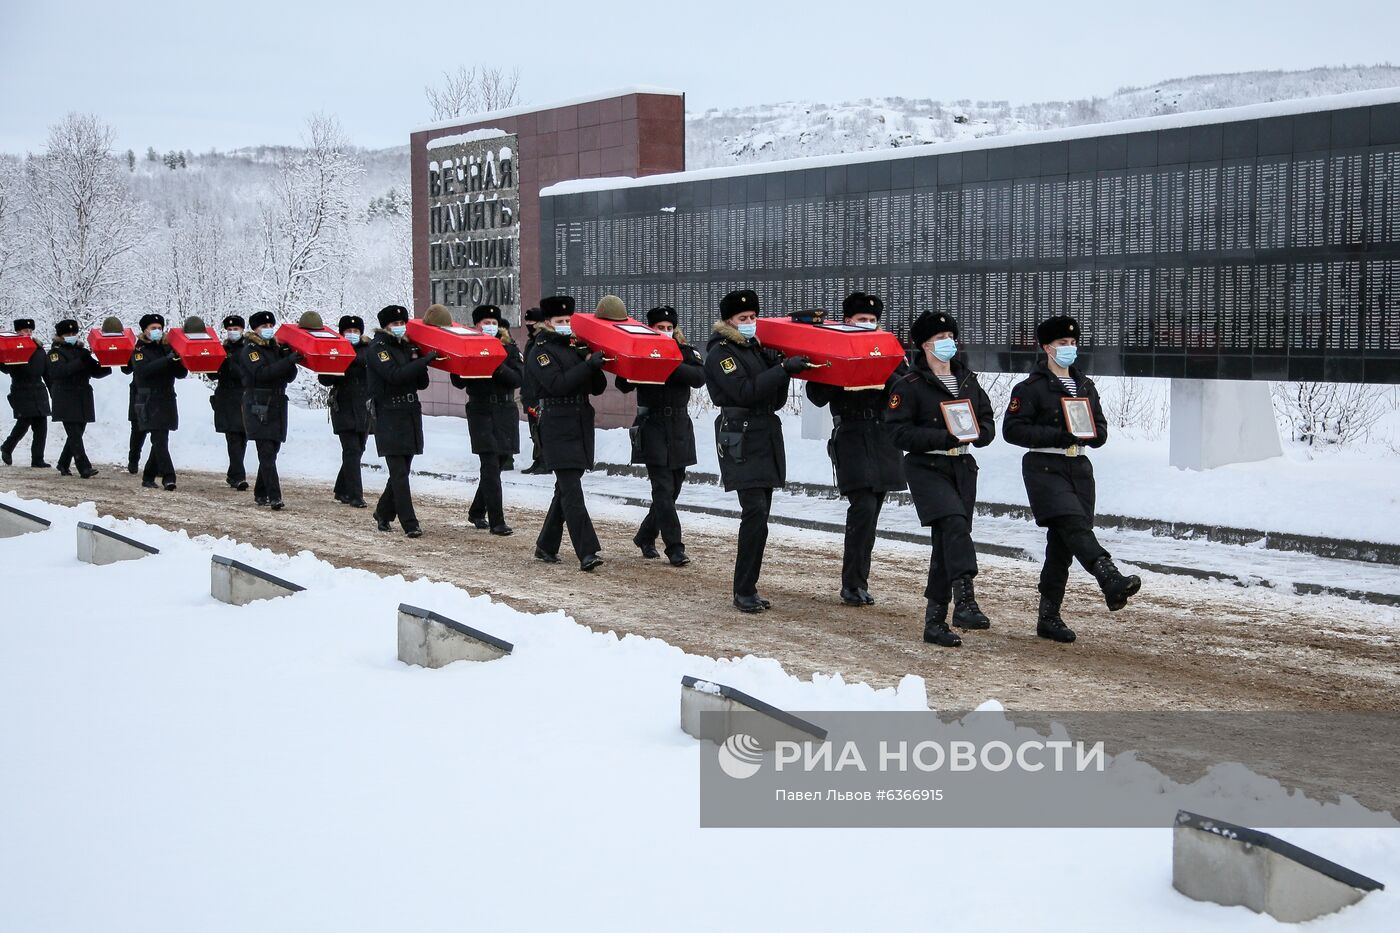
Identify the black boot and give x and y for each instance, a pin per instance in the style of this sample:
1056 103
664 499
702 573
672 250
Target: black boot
648 548
1116 587
936 631
748 603
966 613
1048 623
851 597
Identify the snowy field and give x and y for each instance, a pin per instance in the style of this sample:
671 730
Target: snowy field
174 763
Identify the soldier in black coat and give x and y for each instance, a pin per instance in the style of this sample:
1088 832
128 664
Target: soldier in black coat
493 421
749 384
227 402
530 393
663 438
866 461
29 400
1059 478
395 372
137 439
268 368
154 369
71 367
942 472
565 375
349 405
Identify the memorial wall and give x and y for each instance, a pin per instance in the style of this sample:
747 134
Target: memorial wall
1258 243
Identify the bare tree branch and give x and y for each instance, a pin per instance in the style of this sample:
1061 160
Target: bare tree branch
472 90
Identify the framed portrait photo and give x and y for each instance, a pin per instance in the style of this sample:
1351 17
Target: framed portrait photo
1079 418
961 420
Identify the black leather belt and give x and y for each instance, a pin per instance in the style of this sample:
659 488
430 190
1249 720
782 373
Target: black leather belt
401 399
735 412
666 411
863 414
499 399
553 401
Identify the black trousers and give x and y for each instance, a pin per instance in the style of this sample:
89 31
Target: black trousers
397 500
952 556
133 447
568 508
268 485
73 451
488 503
862 514
754 506
1068 537
661 518
237 443
158 460
40 427
348 484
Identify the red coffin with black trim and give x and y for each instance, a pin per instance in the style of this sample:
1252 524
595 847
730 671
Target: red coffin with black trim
632 350
846 356
15 349
465 351
200 353
112 349
322 349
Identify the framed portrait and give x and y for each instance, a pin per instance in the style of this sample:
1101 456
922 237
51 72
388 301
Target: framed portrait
1079 418
961 420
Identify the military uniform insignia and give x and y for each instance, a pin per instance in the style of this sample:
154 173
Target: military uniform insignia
1015 405
383 356
140 356
254 356
542 359
896 400
53 357
728 365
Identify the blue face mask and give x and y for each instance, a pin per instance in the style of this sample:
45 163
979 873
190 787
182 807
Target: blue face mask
234 336
866 325
353 338
155 335
267 333
945 349
1066 356
749 330
70 339
398 330
490 330
566 330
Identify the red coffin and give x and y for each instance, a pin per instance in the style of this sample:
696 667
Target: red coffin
112 349
322 349
14 348
633 350
201 353
846 356
465 351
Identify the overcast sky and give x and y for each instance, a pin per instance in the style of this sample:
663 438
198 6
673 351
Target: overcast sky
194 75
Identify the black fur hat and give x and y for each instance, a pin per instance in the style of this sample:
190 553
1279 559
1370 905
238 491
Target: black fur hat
556 306
534 316
861 303
738 302
352 322
663 313
68 326
233 320
482 312
809 316
930 323
24 323
259 318
1053 328
148 319
392 313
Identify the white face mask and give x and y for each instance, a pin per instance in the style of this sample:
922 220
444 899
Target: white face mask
155 335
267 333
490 330
234 336
70 339
398 330
866 325
566 330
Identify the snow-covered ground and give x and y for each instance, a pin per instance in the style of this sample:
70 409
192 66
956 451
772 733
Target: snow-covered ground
173 763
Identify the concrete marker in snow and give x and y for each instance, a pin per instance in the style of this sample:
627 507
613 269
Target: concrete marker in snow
237 584
431 640
98 545
15 522
1233 865
738 711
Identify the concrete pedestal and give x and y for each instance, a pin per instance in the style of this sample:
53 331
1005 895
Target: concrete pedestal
1233 865
237 584
15 522
1218 421
98 545
430 640
733 711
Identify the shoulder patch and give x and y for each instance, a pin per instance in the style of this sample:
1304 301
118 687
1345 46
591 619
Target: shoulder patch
1015 405
728 365
254 356
896 400
383 356
543 359
53 357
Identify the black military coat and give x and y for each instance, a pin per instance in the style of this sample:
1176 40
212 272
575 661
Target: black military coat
227 400
154 369
28 396
1055 485
349 396
940 485
395 372
662 433
860 448
748 384
493 420
268 368
71 369
564 379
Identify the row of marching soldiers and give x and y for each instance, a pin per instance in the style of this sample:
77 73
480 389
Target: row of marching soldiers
885 439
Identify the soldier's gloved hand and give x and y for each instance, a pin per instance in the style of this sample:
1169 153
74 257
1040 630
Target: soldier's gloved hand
431 355
595 359
295 356
1069 440
795 364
